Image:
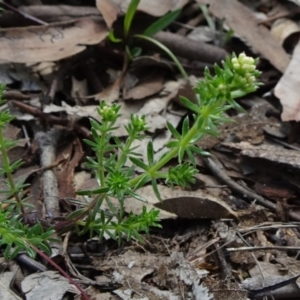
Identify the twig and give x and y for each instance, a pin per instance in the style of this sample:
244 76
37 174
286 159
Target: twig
267 227
24 14
282 248
192 257
47 143
252 254
280 15
49 14
225 267
50 119
219 172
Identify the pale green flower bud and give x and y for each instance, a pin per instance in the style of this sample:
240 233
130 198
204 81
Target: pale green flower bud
241 58
108 113
249 60
222 89
248 67
236 66
251 79
138 122
244 59
234 61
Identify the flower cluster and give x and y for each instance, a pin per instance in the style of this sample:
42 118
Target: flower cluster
136 126
244 68
243 62
139 122
236 78
108 113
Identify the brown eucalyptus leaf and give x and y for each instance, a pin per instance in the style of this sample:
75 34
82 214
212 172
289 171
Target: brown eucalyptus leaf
49 42
146 88
194 205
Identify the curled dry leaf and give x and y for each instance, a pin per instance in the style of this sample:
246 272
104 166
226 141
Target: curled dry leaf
49 42
287 89
109 11
285 31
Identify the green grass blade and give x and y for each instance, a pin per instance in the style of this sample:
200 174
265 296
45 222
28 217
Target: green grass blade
209 20
162 23
113 38
166 50
131 10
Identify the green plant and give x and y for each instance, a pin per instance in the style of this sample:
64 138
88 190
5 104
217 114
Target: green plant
116 178
14 189
147 34
216 94
15 235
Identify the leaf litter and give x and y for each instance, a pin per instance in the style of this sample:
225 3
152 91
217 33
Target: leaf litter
234 234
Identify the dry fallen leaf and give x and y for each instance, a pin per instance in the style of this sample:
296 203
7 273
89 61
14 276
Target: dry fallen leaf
7 280
49 42
48 283
196 205
285 30
243 21
169 273
111 93
155 8
271 153
108 10
146 88
287 89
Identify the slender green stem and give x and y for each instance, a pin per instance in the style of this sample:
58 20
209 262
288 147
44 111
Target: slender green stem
166 50
100 157
189 136
161 175
174 152
6 167
194 130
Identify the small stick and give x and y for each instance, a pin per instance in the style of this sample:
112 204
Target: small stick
219 172
50 119
282 248
24 14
